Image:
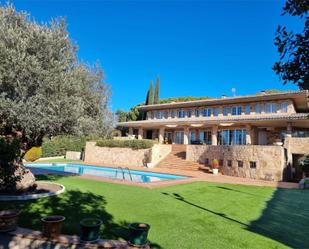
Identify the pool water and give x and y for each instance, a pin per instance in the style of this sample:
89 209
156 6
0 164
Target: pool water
106 172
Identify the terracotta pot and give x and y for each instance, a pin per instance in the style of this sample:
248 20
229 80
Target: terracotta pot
8 220
52 225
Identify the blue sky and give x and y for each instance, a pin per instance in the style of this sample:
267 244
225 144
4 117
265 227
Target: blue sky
199 48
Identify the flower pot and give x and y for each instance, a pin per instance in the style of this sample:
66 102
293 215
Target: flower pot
8 220
52 225
90 229
215 171
138 234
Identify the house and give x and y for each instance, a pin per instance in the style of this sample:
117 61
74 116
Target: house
236 130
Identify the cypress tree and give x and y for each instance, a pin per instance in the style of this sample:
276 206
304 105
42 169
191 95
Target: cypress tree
157 91
150 94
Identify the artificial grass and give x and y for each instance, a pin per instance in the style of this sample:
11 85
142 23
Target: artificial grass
58 160
195 215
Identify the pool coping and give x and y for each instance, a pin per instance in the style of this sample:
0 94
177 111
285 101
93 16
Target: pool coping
193 176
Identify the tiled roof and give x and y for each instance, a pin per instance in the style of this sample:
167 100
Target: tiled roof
304 94
246 118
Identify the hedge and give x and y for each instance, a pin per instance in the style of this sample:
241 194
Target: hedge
59 145
134 144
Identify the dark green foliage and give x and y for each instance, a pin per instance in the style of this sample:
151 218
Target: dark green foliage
9 155
182 99
304 162
150 100
134 144
157 92
57 146
293 48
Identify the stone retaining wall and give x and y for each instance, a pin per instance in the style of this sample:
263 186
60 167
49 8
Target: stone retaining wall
270 161
125 156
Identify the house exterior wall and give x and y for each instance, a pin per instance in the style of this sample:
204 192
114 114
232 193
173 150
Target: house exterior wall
297 145
270 161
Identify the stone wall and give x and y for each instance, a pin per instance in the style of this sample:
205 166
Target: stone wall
270 161
125 156
114 156
159 152
73 155
297 145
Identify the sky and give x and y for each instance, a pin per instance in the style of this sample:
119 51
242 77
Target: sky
199 48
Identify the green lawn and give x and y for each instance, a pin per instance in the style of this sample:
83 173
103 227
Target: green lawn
195 215
59 160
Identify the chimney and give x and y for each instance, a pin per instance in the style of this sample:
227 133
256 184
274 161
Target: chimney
263 92
223 96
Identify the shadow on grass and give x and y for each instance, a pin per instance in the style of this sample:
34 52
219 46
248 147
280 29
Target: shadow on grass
75 206
285 218
180 198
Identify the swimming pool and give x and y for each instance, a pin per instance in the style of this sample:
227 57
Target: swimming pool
106 172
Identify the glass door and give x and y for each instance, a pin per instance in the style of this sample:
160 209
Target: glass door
179 137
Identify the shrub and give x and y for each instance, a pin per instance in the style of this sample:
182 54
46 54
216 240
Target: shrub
33 154
134 144
304 162
59 145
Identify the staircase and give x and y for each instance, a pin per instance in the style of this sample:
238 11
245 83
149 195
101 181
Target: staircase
177 160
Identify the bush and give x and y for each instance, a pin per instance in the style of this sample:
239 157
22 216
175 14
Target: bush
304 162
134 144
59 145
33 154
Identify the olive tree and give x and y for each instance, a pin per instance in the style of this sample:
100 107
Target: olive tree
44 90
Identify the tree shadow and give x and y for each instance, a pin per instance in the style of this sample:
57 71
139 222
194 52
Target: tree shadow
75 206
285 218
222 215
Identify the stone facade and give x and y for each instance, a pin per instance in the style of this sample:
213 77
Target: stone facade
297 145
125 156
251 161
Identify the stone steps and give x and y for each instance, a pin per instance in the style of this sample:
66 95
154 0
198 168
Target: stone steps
177 160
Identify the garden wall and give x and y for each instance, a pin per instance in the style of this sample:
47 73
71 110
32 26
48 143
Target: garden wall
125 156
270 161
297 145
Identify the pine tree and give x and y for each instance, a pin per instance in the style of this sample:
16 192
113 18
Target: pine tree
157 91
150 94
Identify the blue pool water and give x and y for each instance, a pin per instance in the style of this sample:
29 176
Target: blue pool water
112 173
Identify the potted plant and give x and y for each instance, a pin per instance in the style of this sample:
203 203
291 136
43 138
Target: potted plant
8 220
278 142
52 225
90 229
138 234
215 166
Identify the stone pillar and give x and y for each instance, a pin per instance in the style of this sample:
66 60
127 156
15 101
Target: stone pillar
214 137
186 136
130 131
289 130
140 133
161 135
248 134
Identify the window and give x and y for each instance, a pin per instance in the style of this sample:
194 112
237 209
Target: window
232 137
197 113
205 137
252 165
229 163
257 108
240 164
173 114
271 107
248 109
216 112
226 110
284 107
166 114
207 161
236 110
221 162
159 115
207 112
189 113
181 114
